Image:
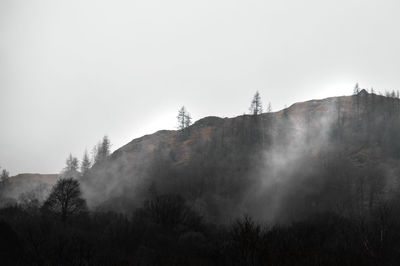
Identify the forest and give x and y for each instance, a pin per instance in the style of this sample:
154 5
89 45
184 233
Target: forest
314 184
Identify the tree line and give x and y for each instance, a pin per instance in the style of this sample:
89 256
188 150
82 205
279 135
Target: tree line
164 230
100 153
184 119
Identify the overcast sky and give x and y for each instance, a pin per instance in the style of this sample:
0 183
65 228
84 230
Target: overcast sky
72 71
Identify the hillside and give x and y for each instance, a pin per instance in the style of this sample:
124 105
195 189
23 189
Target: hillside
48 179
339 153
314 184
26 187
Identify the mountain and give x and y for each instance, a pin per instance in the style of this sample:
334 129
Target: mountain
339 154
319 182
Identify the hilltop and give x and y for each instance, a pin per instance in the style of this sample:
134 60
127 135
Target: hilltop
339 153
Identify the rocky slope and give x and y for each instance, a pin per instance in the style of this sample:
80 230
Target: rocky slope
339 153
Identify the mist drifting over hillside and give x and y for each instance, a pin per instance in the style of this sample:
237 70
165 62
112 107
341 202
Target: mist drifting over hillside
276 167
227 191
196 133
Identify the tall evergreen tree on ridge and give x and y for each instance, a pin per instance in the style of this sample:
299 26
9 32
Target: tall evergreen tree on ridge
256 105
71 167
269 108
4 175
356 89
86 164
102 150
184 118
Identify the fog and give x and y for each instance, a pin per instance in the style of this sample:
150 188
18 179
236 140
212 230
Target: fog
276 167
283 166
289 162
314 180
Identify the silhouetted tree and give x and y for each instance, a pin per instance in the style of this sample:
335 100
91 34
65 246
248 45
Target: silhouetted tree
4 179
269 108
71 167
256 105
65 199
72 164
188 120
4 175
170 211
102 150
86 164
246 238
184 118
356 89
356 92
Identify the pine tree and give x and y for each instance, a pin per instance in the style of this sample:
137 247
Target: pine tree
4 176
102 150
71 167
86 164
105 146
72 163
184 118
256 105
356 89
188 120
269 108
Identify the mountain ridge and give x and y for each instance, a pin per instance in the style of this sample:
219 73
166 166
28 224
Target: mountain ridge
313 155
218 163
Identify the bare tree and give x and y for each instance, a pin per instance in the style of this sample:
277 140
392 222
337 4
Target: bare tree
170 211
65 199
256 105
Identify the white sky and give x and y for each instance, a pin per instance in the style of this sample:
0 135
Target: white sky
72 71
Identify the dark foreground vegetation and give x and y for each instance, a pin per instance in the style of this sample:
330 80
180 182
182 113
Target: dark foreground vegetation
165 231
